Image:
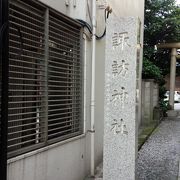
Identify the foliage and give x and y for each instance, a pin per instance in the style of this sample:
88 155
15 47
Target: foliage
162 21
164 106
162 91
151 71
161 25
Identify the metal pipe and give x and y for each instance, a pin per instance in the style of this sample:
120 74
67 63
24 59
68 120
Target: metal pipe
85 71
92 131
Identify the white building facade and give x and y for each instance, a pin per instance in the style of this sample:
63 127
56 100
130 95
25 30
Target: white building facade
69 158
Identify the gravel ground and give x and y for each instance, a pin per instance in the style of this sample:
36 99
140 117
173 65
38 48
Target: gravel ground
158 158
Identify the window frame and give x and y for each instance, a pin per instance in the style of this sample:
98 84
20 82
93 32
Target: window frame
47 10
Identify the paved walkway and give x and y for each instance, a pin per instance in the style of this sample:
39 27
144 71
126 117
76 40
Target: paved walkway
159 157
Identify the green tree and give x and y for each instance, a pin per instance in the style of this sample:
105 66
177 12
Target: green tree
162 24
162 21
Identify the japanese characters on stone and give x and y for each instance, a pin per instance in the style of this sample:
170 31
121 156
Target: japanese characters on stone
120 68
119 97
118 126
121 40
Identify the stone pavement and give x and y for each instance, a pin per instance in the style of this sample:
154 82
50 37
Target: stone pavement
159 157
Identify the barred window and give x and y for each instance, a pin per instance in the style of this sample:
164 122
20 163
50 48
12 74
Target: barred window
45 77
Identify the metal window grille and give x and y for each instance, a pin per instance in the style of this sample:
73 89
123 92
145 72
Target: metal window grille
45 75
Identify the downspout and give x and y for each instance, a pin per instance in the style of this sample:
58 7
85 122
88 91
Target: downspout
92 131
85 71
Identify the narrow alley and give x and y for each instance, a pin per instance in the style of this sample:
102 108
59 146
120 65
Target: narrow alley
159 157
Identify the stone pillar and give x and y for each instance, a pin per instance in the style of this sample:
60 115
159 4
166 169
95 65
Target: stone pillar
120 132
150 97
172 77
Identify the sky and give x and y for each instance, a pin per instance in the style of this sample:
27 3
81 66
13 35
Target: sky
178 2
